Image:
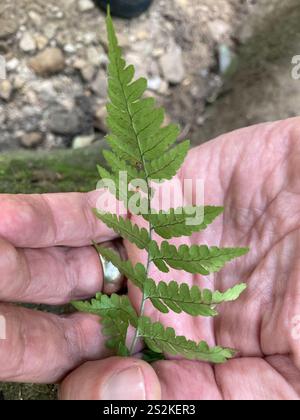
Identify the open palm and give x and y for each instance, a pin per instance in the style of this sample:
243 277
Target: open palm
46 257
255 174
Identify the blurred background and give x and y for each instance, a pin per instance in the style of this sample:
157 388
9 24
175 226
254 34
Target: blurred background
216 65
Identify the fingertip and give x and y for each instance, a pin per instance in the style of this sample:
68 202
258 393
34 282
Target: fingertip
112 379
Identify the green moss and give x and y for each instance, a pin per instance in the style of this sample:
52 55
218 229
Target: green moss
27 392
60 171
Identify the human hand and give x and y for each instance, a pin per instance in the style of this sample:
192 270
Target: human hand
46 257
255 174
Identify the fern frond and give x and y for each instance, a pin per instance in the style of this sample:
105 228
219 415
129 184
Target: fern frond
166 166
136 123
191 300
160 143
165 296
164 340
120 193
119 165
116 313
138 236
173 223
144 149
124 150
195 259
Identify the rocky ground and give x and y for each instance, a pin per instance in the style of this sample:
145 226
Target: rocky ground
56 56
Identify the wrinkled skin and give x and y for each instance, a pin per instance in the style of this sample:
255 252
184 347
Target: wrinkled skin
255 174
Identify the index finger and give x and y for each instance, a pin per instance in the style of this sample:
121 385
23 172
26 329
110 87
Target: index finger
39 221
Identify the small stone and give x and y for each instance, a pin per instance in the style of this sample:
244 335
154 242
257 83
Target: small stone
157 52
70 49
88 72
41 41
225 58
99 85
50 30
100 119
59 14
172 65
12 64
31 140
142 35
27 43
79 63
154 83
104 60
67 122
219 29
164 88
82 141
89 38
31 97
8 27
124 40
5 90
85 5
141 67
94 55
48 62
35 18
19 82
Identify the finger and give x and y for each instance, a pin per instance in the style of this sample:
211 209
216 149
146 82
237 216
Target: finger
187 380
112 379
238 379
42 348
253 379
38 221
53 276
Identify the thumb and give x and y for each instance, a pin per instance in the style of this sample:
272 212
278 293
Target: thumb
115 378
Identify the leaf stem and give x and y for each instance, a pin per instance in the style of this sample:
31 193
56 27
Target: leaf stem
143 301
142 307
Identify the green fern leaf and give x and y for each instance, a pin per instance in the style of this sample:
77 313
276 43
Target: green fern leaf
165 296
230 295
191 300
124 150
160 143
135 122
164 340
119 165
122 194
173 223
165 167
116 313
124 227
195 259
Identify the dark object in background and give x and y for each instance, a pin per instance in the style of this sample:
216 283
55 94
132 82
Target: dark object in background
125 8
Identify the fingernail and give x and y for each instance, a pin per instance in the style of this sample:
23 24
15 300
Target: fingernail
125 385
